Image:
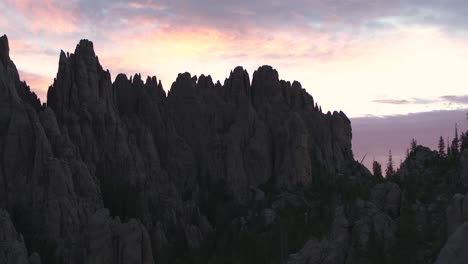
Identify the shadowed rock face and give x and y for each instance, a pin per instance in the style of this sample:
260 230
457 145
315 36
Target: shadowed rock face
170 169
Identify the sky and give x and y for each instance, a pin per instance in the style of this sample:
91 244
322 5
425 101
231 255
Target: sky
374 137
377 59
365 57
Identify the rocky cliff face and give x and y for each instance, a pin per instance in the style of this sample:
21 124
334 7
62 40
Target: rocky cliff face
50 192
172 170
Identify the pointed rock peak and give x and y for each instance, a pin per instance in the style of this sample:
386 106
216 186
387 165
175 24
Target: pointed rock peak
160 89
343 115
63 56
4 39
85 44
204 78
184 77
266 72
121 78
237 86
151 80
137 79
266 68
266 86
183 86
241 73
285 83
155 87
85 47
205 82
4 50
296 85
239 70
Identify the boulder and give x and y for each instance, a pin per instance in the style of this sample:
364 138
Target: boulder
454 250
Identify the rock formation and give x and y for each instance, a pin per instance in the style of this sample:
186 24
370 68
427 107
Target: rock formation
180 163
239 172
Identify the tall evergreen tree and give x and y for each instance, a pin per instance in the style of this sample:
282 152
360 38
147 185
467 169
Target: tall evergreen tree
414 144
441 147
464 141
377 169
449 151
455 142
390 170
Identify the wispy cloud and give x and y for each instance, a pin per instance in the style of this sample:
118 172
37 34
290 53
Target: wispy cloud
335 18
48 16
460 99
391 101
447 99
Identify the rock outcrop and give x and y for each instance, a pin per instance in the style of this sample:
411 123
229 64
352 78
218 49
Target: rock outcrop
239 172
387 197
49 191
454 251
12 247
180 164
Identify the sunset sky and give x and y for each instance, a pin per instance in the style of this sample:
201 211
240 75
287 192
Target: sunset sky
365 57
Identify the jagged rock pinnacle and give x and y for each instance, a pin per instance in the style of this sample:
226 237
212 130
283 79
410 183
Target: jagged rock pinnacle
4 50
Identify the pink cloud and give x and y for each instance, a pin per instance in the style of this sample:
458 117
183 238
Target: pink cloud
49 16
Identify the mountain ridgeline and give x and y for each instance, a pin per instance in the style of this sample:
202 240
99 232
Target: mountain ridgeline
239 172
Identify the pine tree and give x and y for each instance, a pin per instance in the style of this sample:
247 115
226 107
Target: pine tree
449 151
464 141
414 144
441 147
455 142
377 169
390 171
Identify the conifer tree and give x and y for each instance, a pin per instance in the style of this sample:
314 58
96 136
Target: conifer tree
455 142
441 147
414 144
377 169
449 151
390 171
464 141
